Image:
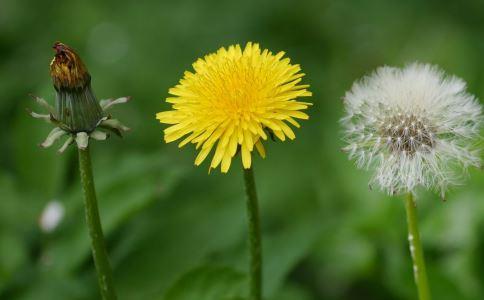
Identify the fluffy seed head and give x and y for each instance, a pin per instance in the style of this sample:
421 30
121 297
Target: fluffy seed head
415 126
232 100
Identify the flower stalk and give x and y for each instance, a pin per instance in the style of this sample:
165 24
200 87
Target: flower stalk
254 236
416 250
98 246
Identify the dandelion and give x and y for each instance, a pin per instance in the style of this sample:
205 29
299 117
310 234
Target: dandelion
416 127
77 113
79 116
233 101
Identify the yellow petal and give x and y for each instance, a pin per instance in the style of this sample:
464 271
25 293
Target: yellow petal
226 161
279 135
286 129
217 157
260 149
202 155
248 141
246 159
233 145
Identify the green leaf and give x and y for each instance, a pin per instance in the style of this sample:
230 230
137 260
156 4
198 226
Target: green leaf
292 292
39 170
283 250
178 235
132 187
13 255
14 219
59 288
209 283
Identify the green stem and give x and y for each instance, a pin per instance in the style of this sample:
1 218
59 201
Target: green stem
93 221
254 236
416 251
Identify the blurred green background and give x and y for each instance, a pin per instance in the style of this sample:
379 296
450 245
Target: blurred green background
176 233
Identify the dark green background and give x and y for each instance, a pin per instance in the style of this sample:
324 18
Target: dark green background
176 233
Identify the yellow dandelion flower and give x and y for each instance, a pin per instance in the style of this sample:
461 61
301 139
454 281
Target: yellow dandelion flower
232 100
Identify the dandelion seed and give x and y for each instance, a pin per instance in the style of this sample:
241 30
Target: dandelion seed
431 125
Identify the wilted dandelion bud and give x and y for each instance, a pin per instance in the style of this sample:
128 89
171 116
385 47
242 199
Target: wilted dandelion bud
77 108
77 113
415 126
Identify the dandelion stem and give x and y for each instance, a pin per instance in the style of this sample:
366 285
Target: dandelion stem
416 251
254 236
93 221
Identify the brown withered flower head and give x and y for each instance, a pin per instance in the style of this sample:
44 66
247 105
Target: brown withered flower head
67 69
77 113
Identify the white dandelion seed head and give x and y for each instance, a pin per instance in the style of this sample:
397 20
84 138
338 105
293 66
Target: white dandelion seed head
415 126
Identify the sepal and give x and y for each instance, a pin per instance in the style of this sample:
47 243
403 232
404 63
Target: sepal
81 139
53 136
108 103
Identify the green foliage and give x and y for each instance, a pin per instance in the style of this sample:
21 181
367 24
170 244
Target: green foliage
175 232
209 283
